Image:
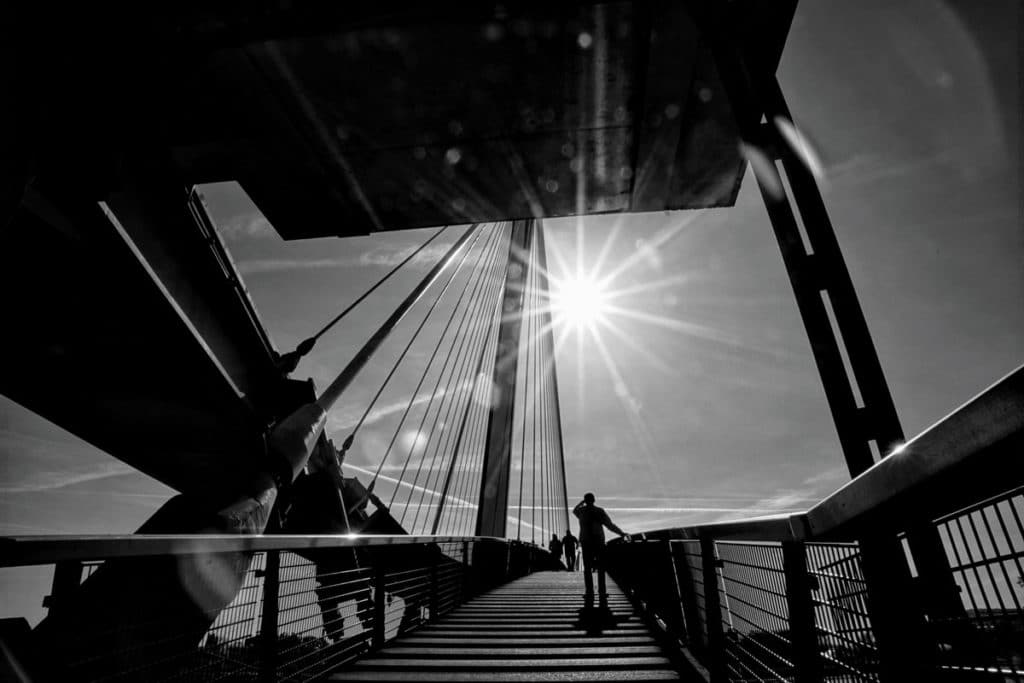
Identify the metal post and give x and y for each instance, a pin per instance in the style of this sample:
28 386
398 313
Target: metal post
268 621
67 577
379 580
687 599
802 633
712 611
466 578
492 513
901 632
817 273
433 589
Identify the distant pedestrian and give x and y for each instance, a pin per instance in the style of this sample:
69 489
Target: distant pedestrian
569 544
555 548
593 519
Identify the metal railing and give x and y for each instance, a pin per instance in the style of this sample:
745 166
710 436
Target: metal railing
305 605
912 571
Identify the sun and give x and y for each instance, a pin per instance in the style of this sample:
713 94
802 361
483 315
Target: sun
581 301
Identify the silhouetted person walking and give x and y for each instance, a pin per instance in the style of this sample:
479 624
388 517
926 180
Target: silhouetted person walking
593 519
555 548
569 543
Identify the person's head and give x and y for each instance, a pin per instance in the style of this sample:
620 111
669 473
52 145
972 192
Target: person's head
554 537
588 498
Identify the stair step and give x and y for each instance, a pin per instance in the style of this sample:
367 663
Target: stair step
580 641
534 630
503 677
505 650
383 662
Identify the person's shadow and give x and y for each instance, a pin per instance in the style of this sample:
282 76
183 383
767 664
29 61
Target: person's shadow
596 619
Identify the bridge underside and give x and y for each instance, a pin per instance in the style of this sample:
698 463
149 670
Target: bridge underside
130 326
346 118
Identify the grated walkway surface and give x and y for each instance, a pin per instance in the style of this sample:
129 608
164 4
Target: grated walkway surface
535 629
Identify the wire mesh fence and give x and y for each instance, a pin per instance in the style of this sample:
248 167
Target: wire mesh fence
984 546
754 613
842 620
293 615
756 587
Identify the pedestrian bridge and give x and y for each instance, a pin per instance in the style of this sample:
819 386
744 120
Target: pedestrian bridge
142 340
822 595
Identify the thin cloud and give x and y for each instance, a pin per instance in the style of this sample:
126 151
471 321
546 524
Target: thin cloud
378 257
48 481
257 266
392 256
349 419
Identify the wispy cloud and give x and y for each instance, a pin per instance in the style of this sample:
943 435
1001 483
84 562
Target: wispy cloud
349 418
377 257
391 256
256 266
48 481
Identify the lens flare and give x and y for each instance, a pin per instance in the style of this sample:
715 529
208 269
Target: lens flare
580 302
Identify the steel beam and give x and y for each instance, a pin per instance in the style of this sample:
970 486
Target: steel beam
821 281
492 512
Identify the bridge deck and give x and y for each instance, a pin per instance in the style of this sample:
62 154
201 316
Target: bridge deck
534 629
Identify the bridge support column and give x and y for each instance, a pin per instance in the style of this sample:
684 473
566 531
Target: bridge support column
492 513
859 399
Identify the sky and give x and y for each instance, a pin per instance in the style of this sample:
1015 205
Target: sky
716 409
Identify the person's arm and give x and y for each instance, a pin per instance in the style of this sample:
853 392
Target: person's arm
579 506
607 521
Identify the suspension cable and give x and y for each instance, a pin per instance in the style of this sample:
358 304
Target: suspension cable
415 393
433 393
394 367
481 333
289 361
462 426
478 437
330 395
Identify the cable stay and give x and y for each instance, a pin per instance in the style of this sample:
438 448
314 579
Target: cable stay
432 396
443 432
289 361
415 392
347 444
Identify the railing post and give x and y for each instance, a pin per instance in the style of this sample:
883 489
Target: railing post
67 577
467 585
802 633
678 615
712 610
905 652
268 621
378 606
433 589
687 599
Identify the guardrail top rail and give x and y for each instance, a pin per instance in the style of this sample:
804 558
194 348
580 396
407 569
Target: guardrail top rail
916 567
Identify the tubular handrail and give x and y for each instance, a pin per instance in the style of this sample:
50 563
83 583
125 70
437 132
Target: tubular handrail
922 479
18 551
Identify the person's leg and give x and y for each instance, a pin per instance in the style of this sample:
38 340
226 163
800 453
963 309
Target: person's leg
588 579
599 561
